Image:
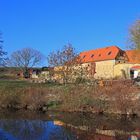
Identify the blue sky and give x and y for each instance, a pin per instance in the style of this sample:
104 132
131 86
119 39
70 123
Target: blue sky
48 25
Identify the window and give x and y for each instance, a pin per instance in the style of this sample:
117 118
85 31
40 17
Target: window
99 54
84 56
92 55
109 53
121 53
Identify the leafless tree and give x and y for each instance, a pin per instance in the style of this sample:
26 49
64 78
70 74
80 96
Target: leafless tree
25 58
2 53
134 40
65 60
134 37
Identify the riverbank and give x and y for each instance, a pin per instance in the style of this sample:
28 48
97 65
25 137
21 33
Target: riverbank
116 99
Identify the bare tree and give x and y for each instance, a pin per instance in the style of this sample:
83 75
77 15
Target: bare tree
64 60
2 53
25 58
134 41
134 37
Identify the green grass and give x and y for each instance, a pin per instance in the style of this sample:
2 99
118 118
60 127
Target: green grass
14 84
17 84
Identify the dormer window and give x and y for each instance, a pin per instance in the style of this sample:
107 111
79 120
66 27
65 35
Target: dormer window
84 56
92 55
109 53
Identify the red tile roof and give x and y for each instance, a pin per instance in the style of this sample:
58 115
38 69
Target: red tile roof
101 54
133 56
135 67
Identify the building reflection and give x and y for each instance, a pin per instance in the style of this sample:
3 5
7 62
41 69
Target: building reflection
69 127
100 134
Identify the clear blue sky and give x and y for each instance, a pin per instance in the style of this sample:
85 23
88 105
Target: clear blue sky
47 25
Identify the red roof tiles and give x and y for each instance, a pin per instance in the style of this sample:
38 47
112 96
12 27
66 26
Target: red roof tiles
135 67
133 56
107 53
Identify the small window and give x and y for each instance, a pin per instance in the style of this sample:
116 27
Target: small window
84 56
109 53
92 55
99 54
121 53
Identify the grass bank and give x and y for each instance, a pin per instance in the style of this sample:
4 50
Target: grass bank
118 98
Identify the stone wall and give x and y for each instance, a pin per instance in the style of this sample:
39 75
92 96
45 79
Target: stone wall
123 70
105 69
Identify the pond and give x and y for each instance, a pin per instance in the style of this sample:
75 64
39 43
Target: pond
66 126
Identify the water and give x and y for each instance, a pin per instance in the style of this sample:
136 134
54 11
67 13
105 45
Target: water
66 126
33 130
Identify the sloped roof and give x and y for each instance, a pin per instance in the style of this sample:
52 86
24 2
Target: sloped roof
135 67
101 54
133 56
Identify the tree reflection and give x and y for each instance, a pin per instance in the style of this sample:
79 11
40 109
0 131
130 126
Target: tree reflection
61 134
23 129
68 126
34 130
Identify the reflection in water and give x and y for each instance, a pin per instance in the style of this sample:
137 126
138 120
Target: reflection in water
33 130
66 126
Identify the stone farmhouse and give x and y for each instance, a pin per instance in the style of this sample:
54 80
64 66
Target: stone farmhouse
104 63
112 62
